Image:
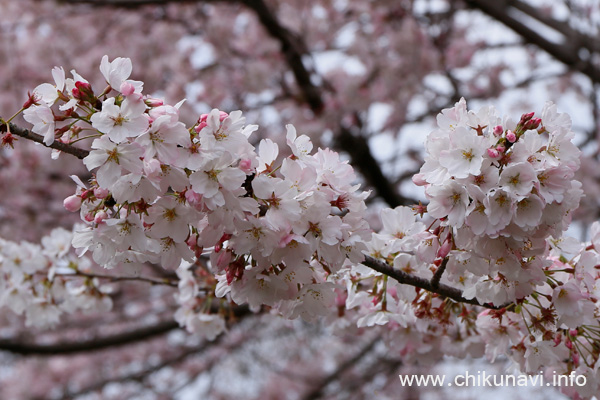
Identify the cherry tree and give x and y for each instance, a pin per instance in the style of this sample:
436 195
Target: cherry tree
212 223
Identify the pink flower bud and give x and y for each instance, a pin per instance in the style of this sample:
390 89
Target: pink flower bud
569 344
246 165
444 249
493 153
200 126
153 102
557 339
501 149
533 123
72 203
526 117
511 137
573 332
89 217
222 115
127 88
100 193
498 130
419 179
100 216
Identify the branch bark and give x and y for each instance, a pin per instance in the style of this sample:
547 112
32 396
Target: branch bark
27 134
94 344
422 283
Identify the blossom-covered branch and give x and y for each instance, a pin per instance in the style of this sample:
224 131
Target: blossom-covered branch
426 284
286 230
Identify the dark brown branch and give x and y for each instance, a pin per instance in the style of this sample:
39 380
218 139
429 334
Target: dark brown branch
99 343
362 158
435 280
567 52
27 134
416 281
293 48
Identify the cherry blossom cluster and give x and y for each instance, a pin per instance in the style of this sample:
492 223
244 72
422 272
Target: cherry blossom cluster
508 255
162 193
286 231
500 190
42 282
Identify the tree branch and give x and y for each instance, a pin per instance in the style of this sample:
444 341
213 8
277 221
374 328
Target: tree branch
416 281
317 391
99 343
567 52
27 134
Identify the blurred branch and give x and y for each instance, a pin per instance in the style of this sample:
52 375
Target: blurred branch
99 343
568 51
27 134
134 3
317 391
294 50
143 374
357 147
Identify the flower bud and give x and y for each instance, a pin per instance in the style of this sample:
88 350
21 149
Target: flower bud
246 165
493 153
100 193
127 88
532 123
573 332
83 91
498 131
445 248
511 137
419 179
72 203
152 102
100 216
526 117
